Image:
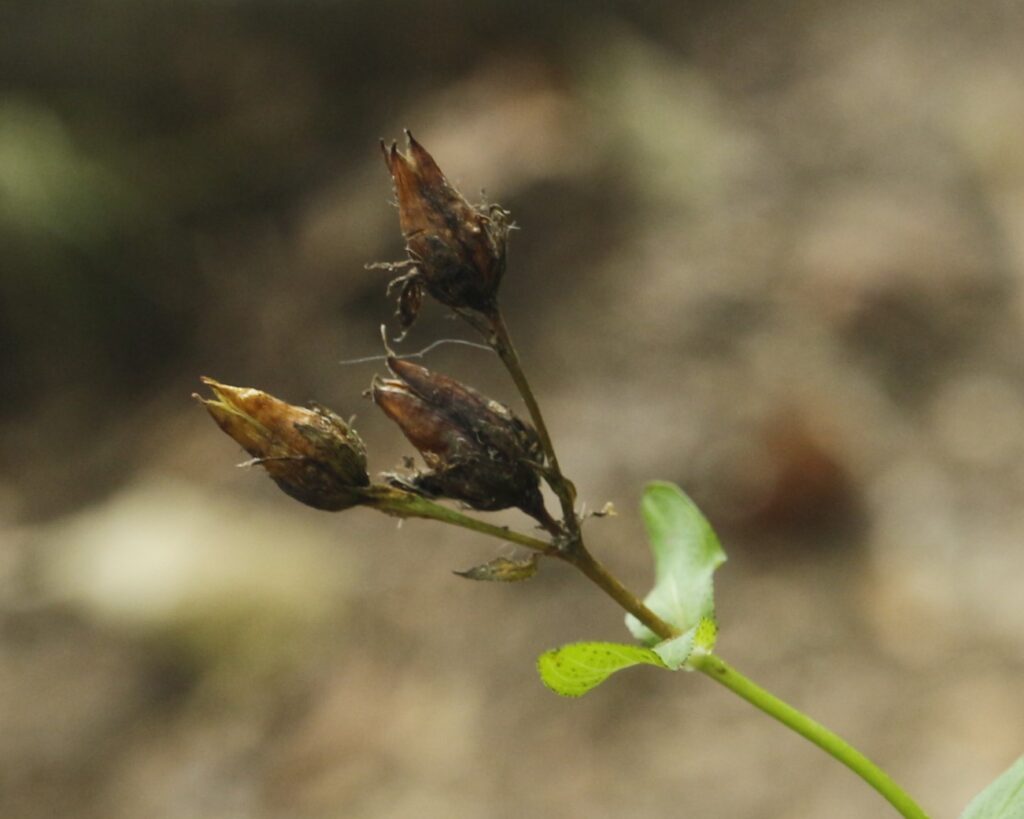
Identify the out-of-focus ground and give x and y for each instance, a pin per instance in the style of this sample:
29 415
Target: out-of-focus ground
773 252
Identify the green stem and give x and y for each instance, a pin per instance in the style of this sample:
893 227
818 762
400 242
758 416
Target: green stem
720 671
610 585
402 504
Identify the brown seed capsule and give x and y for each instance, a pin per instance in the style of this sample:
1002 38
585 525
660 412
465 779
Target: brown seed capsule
430 430
477 450
312 454
457 250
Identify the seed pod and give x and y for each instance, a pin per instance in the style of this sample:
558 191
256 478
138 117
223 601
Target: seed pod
457 250
312 454
491 423
478 452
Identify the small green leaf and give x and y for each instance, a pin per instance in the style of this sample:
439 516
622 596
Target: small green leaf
686 554
573 670
1003 799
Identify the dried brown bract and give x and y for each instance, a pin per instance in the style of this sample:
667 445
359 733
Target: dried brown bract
477 450
503 570
312 454
456 250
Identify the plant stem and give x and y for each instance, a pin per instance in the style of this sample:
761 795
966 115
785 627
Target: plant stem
403 504
574 552
501 341
830 742
610 585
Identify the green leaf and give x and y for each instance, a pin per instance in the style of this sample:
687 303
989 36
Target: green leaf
573 670
686 554
1003 799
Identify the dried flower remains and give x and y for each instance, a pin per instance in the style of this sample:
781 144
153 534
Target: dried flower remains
476 449
312 454
456 251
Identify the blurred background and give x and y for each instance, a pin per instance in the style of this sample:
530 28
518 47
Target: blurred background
772 252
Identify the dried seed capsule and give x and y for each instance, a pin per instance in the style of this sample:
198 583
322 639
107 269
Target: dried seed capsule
491 423
478 452
456 250
312 454
428 429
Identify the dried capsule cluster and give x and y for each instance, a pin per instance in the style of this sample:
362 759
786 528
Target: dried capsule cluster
476 450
